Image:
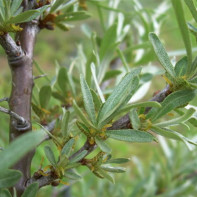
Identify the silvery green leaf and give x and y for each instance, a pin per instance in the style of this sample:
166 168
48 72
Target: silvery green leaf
72 174
162 55
68 148
15 5
31 190
118 160
113 169
64 123
118 96
8 178
181 67
106 175
50 155
79 156
135 121
88 100
19 147
130 135
102 145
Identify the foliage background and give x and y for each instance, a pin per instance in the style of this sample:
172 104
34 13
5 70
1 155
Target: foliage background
150 166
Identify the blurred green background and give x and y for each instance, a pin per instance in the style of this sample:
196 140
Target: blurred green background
156 169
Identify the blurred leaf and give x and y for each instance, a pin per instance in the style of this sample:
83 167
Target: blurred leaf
44 96
88 100
184 30
102 145
31 190
113 169
118 96
130 135
5 193
50 155
111 74
68 148
135 121
181 67
192 8
15 5
106 175
64 123
96 99
79 156
19 147
37 110
62 79
73 175
118 160
57 4
8 178
162 55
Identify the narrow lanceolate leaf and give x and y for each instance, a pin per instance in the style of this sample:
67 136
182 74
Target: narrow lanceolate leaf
140 104
5 193
82 115
135 121
31 190
44 96
79 156
174 100
96 99
173 135
192 8
106 175
50 155
118 160
9 178
113 169
15 5
64 124
19 147
162 54
181 67
73 175
178 8
130 135
102 145
68 148
88 100
24 16
118 96
56 5
178 120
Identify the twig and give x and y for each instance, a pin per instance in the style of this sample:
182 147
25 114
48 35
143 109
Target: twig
39 76
4 99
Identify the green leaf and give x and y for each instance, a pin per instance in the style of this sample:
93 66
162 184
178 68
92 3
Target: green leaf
118 96
72 165
135 121
62 79
118 160
68 148
50 155
96 100
130 135
108 40
102 145
113 169
24 17
82 115
140 104
173 135
64 123
174 100
178 8
192 8
88 100
15 5
106 175
8 178
44 96
5 193
162 55
181 67
79 156
73 175
57 4
31 190
19 147
111 74
178 120
83 129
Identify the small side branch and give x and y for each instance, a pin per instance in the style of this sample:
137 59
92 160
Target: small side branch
4 99
22 124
